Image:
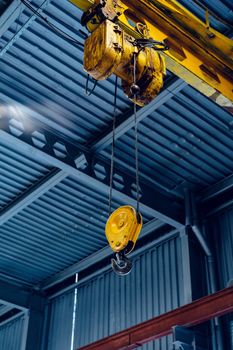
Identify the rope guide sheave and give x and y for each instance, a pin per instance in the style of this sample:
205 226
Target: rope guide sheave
111 49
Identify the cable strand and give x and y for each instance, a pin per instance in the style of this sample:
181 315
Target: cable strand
57 30
136 133
113 148
87 91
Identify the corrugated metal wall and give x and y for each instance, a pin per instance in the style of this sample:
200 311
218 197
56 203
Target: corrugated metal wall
60 322
220 232
109 303
11 334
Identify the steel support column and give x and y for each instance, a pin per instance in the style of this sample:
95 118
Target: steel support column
197 312
35 323
27 300
186 265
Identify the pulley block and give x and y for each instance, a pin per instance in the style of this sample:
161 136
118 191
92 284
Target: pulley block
122 230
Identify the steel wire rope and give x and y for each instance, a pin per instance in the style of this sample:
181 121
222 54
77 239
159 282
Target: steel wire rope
56 29
135 90
90 92
113 148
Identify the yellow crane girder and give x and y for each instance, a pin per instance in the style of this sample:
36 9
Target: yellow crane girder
197 53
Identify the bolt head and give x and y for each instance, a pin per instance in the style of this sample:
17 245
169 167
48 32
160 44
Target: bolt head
135 89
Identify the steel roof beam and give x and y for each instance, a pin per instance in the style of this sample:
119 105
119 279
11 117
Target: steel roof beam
80 154
14 295
10 15
92 259
4 309
153 202
29 196
189 315
217 189
14 11
216 197
126 122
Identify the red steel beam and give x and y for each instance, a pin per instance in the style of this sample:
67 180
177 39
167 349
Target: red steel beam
199 311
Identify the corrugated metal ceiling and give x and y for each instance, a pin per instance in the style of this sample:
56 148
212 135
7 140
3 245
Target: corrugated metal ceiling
19 170
60 228
44 72
188 139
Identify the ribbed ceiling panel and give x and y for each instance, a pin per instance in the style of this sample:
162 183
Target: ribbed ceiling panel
60 228
187 139
19 170
44 72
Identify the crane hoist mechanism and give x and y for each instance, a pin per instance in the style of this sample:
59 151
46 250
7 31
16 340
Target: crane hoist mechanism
198 53
126 38
110 49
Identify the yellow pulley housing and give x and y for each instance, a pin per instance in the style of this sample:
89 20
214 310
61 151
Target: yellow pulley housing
110 50
123 228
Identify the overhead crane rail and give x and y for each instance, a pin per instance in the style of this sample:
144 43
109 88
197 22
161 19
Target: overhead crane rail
197 53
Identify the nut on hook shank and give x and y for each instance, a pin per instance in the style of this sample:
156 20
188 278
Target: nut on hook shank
134 89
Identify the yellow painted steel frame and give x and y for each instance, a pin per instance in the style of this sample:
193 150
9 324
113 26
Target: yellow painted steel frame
194 46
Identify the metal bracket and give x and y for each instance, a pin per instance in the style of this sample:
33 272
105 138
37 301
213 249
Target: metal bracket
187 339
183 339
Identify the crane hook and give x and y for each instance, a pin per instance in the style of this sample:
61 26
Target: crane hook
122 265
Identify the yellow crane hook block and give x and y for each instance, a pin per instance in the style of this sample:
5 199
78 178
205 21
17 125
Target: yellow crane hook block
122 230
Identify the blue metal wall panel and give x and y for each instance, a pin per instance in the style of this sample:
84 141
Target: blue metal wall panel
220 233
60 325
11 334
109 303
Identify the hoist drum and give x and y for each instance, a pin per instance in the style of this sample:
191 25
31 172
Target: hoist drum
123 228
109 50
103 50
150 71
